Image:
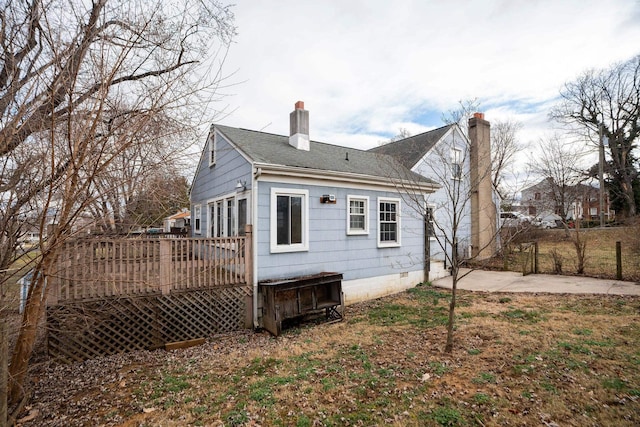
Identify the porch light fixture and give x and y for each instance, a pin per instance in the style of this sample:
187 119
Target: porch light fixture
241 186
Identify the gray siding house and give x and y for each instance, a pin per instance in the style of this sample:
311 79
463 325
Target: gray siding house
314 207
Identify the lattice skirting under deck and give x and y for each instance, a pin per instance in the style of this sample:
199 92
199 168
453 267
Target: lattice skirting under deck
80 331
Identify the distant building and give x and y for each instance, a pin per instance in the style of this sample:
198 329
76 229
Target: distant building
572 201
586 204
178 221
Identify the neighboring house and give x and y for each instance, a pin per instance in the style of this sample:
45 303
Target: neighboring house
447 154
313 207
179 221
544 198
578 201
586 204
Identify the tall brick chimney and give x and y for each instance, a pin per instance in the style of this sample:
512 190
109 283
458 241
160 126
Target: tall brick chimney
299 127
483 209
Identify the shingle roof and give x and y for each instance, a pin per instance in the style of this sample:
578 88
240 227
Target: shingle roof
272 149
411 150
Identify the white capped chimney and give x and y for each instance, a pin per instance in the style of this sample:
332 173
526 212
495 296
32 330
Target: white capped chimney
299 127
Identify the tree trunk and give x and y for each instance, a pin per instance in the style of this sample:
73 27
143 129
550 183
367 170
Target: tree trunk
452 306
33 310
629 197
4 361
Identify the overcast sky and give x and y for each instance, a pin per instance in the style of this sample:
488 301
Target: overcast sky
365 69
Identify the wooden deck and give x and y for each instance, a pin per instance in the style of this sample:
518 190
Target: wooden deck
92 269
109 296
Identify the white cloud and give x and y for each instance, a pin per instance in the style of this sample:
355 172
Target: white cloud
366 68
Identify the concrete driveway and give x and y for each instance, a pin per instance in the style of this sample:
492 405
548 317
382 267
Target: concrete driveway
509 281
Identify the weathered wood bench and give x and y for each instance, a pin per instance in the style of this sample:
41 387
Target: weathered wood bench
301 297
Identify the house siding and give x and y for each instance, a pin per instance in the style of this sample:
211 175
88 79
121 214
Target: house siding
357 257
219 180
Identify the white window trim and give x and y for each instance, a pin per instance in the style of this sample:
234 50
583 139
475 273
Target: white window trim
398 241
456 159
433 220
212 150
356 232
213 223
197 219
273 221
247 213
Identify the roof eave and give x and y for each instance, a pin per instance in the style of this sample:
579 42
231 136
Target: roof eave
395 184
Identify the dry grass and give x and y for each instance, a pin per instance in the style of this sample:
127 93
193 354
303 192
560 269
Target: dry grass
518 360
600 251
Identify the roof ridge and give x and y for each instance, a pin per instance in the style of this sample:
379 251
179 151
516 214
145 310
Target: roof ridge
284 136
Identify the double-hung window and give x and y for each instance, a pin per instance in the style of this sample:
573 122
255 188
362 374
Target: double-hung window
289 220
242 216
456 163
388 222
197 209
358 215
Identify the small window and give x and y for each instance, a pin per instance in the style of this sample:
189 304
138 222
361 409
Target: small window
357 215
537 196
196 219
593 211
456 163
212 150
289 220
388 222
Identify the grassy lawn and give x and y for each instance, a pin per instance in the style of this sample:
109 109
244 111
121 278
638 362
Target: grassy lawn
600 253
518 360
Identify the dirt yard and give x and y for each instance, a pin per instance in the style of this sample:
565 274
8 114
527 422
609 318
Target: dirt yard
553 360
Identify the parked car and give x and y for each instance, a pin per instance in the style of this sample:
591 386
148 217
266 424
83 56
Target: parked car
513 219
548 224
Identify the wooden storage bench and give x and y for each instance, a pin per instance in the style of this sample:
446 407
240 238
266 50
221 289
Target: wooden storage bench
299 297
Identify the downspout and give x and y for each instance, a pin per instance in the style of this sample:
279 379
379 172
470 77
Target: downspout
254 221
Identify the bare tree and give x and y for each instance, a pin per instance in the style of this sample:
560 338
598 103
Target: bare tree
155 154
462 113
606 103
504 147
561 165
81 85
462 226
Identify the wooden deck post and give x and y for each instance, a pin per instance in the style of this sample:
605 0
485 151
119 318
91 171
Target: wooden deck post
248 254
165 266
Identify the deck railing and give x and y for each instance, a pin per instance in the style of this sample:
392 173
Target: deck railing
91 269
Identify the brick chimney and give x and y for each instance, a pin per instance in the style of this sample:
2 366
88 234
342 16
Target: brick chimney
299 127
483 209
